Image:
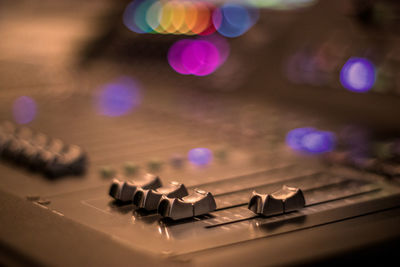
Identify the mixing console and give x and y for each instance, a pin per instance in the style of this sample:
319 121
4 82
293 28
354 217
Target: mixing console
199 141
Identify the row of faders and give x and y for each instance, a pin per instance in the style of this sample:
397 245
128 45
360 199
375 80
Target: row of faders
171 201
38 152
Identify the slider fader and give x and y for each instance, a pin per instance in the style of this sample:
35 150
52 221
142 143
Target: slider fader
171 201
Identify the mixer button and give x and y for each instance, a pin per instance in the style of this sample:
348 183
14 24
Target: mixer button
24 133
154 165
177 161
284 200
56 146
40 140
149 198
198 203
5 139
39 152
42 158
8 127
292 198
107 172
265 204
124 190
72 161
12 149
28 153
52 167
130 168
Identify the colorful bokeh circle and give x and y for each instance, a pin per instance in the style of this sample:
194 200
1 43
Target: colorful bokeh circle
169 17
199 57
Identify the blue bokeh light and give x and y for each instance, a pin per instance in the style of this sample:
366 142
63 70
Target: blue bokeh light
311 141
294 137
200 156
118 98
24 110
358 75
233 20
133 16
318 142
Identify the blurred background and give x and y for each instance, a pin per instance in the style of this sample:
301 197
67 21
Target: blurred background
294 52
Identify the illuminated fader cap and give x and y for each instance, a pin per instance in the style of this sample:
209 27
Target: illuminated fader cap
284 200
124 190
149 198
198 203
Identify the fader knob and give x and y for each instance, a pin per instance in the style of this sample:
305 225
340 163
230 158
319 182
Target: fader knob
124 190
198 203
284 200
149 198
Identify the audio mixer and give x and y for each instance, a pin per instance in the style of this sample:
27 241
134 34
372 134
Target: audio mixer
135 155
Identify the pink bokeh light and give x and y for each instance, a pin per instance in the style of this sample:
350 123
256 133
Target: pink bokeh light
199 57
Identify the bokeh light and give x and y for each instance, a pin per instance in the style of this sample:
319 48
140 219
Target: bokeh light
198 57
24 110
199 17
175 58
358 75
200 156
311 141
118 98
233 20
131 17
220 43
169 17
295 136
318 142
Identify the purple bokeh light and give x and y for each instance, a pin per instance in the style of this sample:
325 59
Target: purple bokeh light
200 156
295 136
24 110
311 141
118 98
358 75
318 142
